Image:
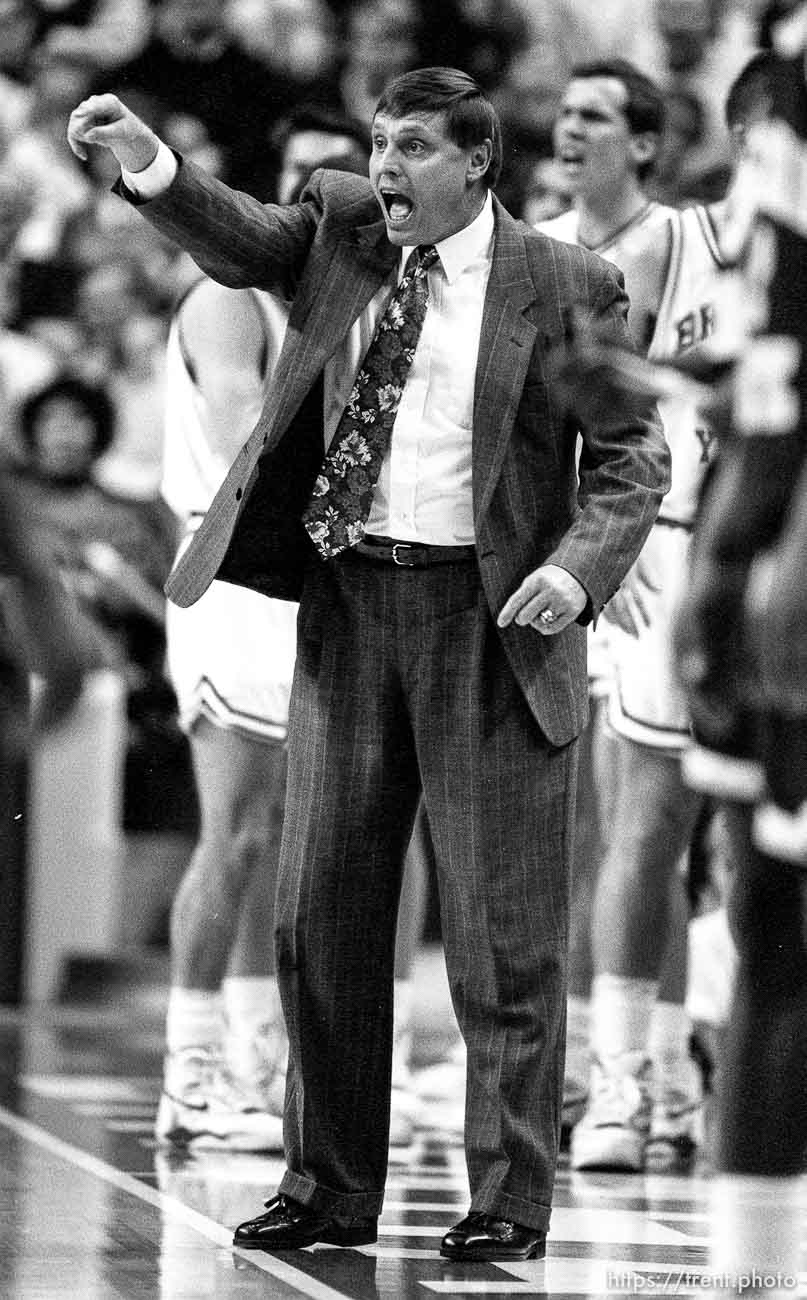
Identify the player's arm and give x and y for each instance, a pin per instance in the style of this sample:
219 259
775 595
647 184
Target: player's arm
224 343
645 270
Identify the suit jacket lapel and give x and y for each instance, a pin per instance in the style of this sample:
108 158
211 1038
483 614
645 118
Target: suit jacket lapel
505 350
329 300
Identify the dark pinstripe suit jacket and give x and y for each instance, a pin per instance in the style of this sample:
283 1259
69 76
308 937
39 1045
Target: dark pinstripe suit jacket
328 255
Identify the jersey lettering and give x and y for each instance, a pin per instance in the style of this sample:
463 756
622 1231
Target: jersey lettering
696 326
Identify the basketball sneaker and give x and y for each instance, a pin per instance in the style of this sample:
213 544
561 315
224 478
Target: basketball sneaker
203 1106
613 1131
258 1062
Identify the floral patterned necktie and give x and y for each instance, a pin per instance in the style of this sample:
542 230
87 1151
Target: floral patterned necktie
342 495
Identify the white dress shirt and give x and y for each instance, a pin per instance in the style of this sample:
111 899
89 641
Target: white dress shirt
424 489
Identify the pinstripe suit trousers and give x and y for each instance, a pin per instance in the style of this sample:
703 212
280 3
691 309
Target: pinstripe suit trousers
402 683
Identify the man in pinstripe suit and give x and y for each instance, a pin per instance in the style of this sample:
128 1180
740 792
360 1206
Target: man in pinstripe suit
444 652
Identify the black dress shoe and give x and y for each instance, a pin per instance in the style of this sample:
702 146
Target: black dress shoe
288 1225
483 1236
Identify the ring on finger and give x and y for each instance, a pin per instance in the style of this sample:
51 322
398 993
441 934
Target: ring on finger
547 616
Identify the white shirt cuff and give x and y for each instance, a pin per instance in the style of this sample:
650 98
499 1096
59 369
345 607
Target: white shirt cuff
152 180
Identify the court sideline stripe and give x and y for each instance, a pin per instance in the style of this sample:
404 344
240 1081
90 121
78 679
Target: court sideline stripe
169 1206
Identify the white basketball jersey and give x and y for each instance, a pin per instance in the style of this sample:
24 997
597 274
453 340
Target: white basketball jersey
231 654
624 247
194 466
687 320
619 246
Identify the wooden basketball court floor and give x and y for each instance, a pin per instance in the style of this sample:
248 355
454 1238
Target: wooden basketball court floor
90 1209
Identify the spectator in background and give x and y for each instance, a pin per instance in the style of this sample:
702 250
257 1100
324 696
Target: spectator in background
113 552
49 50
196 64
482 37
18 25
97 33
110 330
106 298
297 38
25 362
97 235
46 652
18 22
704 44
42 636
381 38
35 149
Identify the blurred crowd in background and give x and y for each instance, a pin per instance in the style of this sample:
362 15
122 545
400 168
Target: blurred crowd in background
87 289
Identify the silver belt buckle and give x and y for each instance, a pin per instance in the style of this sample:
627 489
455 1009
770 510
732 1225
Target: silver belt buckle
402 546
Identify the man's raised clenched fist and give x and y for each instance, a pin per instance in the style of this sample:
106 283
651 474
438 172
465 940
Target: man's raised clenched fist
104 120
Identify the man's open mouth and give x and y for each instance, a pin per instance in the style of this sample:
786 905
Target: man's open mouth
398 206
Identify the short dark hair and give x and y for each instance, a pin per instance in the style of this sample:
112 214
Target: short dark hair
470 116
644 107
750 92
95 400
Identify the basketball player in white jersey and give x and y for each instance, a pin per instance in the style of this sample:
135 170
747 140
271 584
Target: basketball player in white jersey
231 660
645 1109
606 140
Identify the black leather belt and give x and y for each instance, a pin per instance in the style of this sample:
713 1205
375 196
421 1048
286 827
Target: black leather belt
411 555
675 523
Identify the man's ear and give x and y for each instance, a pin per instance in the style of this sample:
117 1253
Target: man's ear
479 160
645 147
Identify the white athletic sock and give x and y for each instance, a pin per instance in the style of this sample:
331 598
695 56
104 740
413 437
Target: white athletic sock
668 1045
250 1002
756 1226
621 1012
195 1018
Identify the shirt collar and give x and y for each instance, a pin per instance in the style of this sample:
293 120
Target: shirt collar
457 251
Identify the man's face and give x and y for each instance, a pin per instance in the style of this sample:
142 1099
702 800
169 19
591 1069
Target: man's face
592 138
424 182
303 153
